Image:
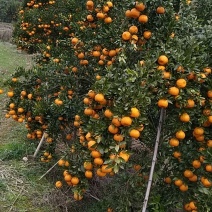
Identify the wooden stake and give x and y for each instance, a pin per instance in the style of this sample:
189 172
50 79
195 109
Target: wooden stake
153 161
39 145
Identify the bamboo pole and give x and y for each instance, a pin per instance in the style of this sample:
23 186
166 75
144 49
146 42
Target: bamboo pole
154 159
39 145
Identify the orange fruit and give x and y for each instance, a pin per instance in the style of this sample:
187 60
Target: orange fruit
168 180
67 178
177 154
163 60
180 135
88 165
174 91
106 169
124 155
88 174
10 93
135 113
91 143
109 4
61 162
174 142
184 117
118 137
163 103
188 173
209 93
108 113
108 20
192 205
147 35
206 182
75 180
100 173
1 91
183 187
126 36
140 6
96 154
137 167
116 122
193 178
198 131
113 129
134 133
209 143
58 184
99 97
98 161
190 103
160 10
77 196
181 83
126 121
135 13
178 182
88 111
133 29
208 168
143 19
196 164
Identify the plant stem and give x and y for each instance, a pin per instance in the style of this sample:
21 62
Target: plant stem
153 161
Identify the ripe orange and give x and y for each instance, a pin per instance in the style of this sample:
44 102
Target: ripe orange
174 91
77 196
61 162
198 131
209 143
160 10
1 91
134 13
133 29
126 36
126 121
163 103
180 135
184 117
194 178
143 19
58 184
174 142
88 111
135 113
113 129
124 155
178 182
116 122
190 103
96 154
75 180
192 205
140 6
147 35
209 93
188 173
106 169
177 154
134 133
98 161
108 113
100 173
196 164
181 83
137 167
109 4
206 182
118 137
88 165
91 143
168 180
10 93
163 60
67 177
183 187
208 168
108 20
99 97
88 174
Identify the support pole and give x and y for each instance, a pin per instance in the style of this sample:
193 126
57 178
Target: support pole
153 161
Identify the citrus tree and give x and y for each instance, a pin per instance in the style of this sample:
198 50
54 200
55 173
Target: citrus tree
106 73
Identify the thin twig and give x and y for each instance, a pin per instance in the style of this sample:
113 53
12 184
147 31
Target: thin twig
153 161
50 169
39 145
94 197
16 199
